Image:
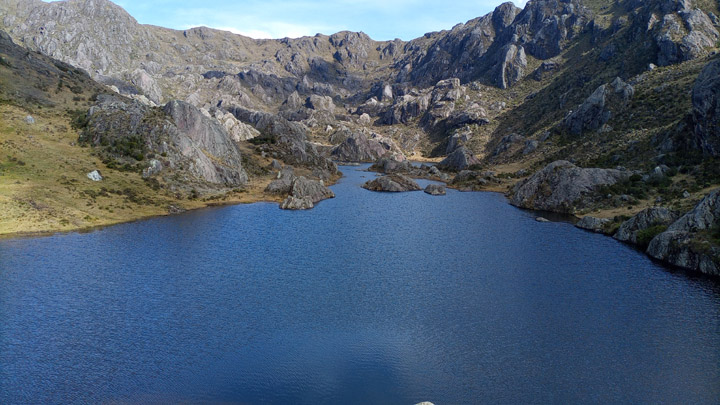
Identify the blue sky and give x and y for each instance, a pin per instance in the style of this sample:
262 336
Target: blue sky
381 19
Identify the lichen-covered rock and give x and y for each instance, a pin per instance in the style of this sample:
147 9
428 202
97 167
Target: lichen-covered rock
563 187
691 241
632 229
392 183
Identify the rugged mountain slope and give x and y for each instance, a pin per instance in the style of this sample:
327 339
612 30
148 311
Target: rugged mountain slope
627 87
44 170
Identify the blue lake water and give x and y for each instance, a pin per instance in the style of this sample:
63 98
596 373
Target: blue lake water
368 298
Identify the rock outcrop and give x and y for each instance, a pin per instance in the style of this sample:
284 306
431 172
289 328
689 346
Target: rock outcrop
179 135
706 109
359 148
645 225
597 109
435 189
592 224
305 193
563 187
691 241
392 183
460 159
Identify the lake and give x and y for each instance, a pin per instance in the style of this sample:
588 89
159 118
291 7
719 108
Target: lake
368 298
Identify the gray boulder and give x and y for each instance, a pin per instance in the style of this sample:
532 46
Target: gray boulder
95 176
592 224
563 187
305 193
460 159
642 221
320 103
313 189
435 189
294 203
392 183
691 241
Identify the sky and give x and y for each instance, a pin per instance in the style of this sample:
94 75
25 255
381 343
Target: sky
381 19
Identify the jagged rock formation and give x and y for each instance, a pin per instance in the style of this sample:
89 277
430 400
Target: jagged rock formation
178 137
563 187
392 183
687 243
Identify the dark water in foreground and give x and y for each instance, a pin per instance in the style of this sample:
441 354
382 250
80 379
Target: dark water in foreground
368 298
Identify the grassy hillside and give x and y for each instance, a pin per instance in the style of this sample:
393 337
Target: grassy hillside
43 171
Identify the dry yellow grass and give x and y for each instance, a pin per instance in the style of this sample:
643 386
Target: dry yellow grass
44 185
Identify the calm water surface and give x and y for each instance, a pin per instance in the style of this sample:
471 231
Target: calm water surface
368 298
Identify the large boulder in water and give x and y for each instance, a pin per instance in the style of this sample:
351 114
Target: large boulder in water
563 187
392 183
305 193
691 242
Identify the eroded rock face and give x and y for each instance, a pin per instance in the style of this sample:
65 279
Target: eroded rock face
645 219
706 109
688 242
392 183
563 187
